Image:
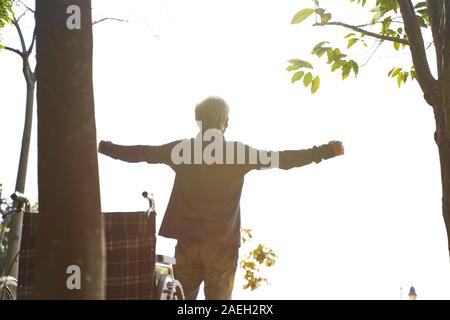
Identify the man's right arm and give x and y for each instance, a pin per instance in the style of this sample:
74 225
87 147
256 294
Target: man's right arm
137 153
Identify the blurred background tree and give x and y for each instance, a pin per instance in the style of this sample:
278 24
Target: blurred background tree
255 262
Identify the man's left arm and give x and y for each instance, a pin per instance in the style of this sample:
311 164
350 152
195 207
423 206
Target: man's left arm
297 158
288 159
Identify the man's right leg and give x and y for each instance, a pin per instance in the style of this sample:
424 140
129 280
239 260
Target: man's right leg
220 263
188 269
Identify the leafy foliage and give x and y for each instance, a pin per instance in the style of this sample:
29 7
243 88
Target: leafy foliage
301 69
401 75
390 27
334 57
5 12
252 262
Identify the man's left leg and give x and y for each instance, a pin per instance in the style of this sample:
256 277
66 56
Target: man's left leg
188 269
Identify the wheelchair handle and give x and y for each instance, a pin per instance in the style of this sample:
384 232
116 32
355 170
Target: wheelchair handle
20 198
151 203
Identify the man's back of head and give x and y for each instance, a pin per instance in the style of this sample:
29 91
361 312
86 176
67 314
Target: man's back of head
212 113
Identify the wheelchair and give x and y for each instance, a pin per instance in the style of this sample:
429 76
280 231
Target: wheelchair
133 269
166 287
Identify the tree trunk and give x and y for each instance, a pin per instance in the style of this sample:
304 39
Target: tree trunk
15 233
15 222
70 233
436 92
444 155
442 137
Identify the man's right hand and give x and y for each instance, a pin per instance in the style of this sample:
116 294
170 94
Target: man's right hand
338 147
103 146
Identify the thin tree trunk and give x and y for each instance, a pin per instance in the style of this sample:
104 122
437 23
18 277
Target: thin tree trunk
70 233
15 222
14 236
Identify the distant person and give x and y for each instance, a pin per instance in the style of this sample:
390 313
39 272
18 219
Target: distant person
203 213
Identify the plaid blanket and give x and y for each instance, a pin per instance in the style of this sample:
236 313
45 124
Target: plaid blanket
27 257
130 255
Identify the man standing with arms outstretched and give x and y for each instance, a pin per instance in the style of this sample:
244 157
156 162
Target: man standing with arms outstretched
203 213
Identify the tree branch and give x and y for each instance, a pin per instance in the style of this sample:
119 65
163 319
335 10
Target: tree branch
12 50
372 54
105 19
19 32
379 22
418 52
435 21
20 17
27 7
30 48
363 31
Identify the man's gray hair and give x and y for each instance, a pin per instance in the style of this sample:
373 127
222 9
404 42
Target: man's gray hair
212 112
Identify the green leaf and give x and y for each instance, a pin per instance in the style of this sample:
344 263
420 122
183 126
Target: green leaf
307 79
362 2
302 15
399 79
337 55
351 42
336 65
297 76
355 67
396 72
397 45
292 67
346 71
319 46
422 4
325 18
319 52
301 63
390 71
330 56
405 77
375 18
351 34
386 24
422 22
320 11
315 84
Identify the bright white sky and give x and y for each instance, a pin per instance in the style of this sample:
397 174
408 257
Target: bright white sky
358 227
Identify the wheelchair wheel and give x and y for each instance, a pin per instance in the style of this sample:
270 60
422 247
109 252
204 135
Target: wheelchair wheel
8 288
169 289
